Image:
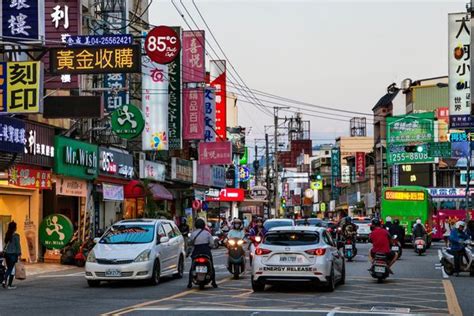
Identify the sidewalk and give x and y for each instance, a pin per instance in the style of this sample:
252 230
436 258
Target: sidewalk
41 268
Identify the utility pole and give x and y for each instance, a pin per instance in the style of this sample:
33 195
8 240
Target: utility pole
468 182
275 163
256 164
267 174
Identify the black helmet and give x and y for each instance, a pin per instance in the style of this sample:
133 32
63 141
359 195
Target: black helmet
259 219
200 224
376 222
348 219
396 221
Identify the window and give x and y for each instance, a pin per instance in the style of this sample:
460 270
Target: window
129 234
168 230
161 232
291 239
328 240
177 233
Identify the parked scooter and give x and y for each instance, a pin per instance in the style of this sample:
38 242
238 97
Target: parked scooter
447 259
254 242
380 269
396 246
419 245
350 250
236 257
202 268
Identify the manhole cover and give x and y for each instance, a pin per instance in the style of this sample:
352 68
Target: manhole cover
398 310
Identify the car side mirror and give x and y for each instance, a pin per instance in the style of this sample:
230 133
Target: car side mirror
96 240
164 240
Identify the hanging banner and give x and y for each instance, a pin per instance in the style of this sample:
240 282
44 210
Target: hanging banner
218 81
193 114
61 18
26 177
459 39
335 171
209 114
216 153
21 87
360 166
22 19
155 105
174 95
112 192
442 114
193 56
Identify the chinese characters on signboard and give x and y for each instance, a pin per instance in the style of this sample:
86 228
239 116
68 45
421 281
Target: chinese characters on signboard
22 19
360 166
115 163
154 105
21 87
39 145
209 114
152 170
12 135
459 70
193 114
30 178
335 172
93 60
174 106
193 56
215 153
218 81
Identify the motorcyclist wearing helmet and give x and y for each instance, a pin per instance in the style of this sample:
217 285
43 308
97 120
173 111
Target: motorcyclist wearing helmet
349 229
457 239
388 223
381 243
202 242
399 230
258 229
184 227
419 230
237 230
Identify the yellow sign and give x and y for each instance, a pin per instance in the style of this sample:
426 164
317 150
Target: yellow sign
92 60
316 185
22 83
404 195
322 207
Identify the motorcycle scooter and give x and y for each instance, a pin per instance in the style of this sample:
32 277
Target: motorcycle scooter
236 257
201 271
447 260
396 246
379 269
420 245
350 250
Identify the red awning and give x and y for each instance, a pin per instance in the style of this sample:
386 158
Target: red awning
160 192
134 189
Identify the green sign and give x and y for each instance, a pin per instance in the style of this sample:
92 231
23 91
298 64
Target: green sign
316 185
75 158
398 155
439 149
55 231
127 121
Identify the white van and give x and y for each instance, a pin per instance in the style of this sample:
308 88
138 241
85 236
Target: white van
139 249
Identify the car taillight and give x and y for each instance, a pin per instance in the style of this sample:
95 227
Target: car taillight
316 252
201 260
261 251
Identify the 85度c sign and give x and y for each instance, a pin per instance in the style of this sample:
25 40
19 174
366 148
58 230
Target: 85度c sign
93 60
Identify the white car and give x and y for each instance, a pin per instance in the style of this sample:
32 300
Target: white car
298 254
140 249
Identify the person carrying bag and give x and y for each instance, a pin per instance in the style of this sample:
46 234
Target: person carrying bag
12 253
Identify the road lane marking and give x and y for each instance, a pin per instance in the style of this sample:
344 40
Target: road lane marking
440 256
140 305
453 304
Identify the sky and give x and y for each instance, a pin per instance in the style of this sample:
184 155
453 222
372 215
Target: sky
338 54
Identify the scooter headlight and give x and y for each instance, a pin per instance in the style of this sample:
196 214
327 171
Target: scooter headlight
240 242
231 242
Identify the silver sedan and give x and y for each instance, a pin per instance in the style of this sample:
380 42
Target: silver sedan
298 254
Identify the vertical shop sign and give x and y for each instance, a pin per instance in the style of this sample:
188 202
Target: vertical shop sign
174 94
335 171
209 114
193 114
193 56
218 81
116 22
22 19
62 19
442 114
459 70
360 166
155 105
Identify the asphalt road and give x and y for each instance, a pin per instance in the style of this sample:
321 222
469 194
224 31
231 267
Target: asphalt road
417 287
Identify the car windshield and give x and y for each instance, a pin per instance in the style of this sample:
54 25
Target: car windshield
292 239
312 222
129 234
270 224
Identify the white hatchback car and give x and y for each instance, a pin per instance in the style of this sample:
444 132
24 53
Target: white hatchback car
139 249
296 254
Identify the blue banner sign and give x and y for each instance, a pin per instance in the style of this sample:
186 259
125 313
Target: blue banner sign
100 40
20 19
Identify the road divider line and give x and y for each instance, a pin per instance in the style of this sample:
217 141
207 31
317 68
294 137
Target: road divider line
453 304
144 304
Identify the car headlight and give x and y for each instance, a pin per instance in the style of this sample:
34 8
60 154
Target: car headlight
240 242
91 256
144 256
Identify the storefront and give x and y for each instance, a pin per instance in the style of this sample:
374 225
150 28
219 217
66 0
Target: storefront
205 179
160 200
134 204
181 176
115 172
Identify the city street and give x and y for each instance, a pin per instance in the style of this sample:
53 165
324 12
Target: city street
417 287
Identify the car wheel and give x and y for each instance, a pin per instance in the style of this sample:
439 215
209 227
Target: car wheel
180 273
155 276
93 283
257 286
331 282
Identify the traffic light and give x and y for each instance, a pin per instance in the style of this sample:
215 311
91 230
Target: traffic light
414 149
316 177
283 202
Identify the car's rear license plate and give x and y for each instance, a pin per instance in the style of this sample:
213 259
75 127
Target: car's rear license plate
288 258
348 246
201 269
419 246
379 269
395 248
113 273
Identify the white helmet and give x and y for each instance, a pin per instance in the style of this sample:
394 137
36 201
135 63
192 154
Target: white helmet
459 224
388 219
418 221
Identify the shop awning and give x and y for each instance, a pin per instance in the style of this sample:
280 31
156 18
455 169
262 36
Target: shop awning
134 189
160 192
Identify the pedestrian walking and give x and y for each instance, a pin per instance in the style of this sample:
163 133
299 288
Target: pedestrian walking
446 231
12 253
